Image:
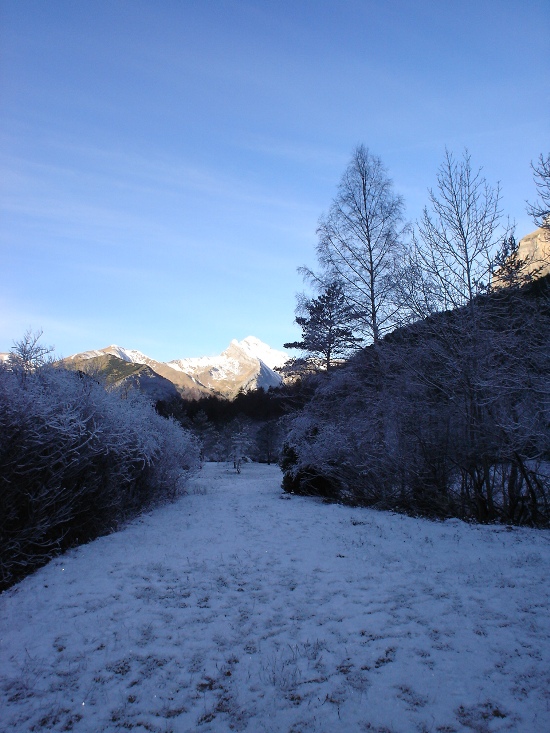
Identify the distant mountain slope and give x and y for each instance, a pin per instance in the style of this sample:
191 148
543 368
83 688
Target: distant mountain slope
117 371
243 366
187 387
238 368
118 364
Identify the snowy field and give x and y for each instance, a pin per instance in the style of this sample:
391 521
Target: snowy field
242 609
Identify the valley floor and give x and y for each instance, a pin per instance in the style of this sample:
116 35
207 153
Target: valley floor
240 608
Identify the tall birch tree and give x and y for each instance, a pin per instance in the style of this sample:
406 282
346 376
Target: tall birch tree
359 240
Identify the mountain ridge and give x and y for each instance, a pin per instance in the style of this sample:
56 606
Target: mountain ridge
242 366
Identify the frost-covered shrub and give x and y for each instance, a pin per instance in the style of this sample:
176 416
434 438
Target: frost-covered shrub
179 455
75 460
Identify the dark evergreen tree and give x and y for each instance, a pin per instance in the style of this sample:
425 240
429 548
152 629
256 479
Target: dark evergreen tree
326 326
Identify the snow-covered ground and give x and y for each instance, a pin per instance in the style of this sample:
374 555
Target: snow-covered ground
239 608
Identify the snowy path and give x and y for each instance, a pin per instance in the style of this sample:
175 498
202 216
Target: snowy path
241 609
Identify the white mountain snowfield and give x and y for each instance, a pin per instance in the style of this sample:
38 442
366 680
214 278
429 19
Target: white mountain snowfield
220 367
237 359
240 608
256 348
251 346
129 355
246 364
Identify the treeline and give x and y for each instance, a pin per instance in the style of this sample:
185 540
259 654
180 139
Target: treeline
76 459
447 417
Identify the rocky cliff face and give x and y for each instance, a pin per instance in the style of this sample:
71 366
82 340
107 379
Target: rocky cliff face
535 248
530 261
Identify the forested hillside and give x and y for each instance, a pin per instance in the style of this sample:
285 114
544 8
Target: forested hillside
446 417
445 410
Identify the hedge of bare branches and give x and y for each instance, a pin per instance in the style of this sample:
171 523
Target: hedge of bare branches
75 460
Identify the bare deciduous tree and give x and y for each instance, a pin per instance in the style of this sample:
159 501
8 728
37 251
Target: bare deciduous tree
29 354
359 240
540 211
459 232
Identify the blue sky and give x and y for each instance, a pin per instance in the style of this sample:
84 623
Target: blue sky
164 164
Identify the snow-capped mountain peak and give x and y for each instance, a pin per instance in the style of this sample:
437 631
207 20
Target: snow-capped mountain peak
259 350
243 365
129 355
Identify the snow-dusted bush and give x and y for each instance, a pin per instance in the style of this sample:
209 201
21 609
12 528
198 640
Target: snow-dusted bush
179 455
75 460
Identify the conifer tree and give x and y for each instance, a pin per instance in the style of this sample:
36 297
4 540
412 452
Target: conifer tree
326 329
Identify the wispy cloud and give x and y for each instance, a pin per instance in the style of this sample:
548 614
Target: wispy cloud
102 172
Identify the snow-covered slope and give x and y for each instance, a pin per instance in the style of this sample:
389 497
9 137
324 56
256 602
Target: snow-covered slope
242 609
132 355
129 355
258 350
244 365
